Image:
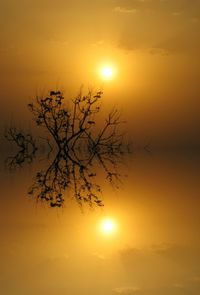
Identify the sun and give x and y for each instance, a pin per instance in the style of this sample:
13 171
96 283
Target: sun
108 226
107 72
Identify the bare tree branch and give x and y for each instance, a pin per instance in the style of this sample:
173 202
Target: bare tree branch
79 148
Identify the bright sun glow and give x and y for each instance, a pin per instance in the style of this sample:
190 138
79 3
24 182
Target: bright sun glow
108 226
107 73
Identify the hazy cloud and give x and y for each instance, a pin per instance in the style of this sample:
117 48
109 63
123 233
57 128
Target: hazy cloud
195 279
170 268
124 9
166 6
98 255
165 290
184 256
145 49
158 51
98 43
195 19
177 13
181 42
127 290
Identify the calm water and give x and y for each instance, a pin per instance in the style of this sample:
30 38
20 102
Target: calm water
154 248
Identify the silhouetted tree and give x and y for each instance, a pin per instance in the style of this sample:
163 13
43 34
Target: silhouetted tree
80 145
65 125
69 126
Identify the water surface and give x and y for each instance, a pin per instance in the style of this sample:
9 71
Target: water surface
154 250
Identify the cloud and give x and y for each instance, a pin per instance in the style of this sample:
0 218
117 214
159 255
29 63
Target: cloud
195 19
195 279
184 256
152 50
165 290
98 255
183 42
121 9
170 267
166 6
158 51
178 286
177 13
186 41
127 290
98 43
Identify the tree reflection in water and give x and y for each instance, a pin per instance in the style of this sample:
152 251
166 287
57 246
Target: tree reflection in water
26 148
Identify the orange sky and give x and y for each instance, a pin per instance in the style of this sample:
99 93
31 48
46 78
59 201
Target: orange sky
153 44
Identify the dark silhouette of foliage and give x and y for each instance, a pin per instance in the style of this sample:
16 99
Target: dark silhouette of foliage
81 146
26 145
65 173
65 125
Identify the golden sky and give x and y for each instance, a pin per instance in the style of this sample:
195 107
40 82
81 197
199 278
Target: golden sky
153 45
